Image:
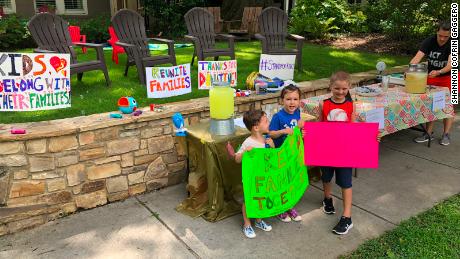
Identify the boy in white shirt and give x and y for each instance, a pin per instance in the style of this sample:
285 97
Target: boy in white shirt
257 122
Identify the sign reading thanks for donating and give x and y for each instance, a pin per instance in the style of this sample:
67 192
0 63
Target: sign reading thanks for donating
216 71
32 82
274 179
280 66
168 81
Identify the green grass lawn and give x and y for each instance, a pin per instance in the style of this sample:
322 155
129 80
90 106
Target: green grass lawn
432 234
92 96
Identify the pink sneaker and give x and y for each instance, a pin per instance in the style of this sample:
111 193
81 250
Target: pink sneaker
294 215
284 217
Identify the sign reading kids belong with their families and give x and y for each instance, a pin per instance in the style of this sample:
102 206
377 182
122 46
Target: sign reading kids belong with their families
274 179
168 81
216 71
33 82
280 66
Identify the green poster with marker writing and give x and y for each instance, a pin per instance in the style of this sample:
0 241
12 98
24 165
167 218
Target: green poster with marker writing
274 179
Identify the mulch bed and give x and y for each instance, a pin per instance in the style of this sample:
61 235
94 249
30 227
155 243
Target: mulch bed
376 43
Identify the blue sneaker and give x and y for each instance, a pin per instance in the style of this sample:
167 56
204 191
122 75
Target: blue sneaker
249 232
262 225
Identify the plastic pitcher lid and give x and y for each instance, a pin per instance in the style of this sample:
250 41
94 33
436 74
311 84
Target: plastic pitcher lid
220 84
418 66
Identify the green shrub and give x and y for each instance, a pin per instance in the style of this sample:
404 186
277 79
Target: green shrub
14 33
356 22
312 27
408 21
316 19
168 16
96 29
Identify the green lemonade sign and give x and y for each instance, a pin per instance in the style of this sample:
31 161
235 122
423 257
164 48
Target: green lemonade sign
274 179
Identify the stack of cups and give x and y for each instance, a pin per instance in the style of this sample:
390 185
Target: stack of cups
385 82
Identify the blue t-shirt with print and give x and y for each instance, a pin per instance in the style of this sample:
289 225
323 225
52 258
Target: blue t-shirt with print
282 120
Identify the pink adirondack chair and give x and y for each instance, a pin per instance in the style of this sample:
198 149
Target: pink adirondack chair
115 48
76 36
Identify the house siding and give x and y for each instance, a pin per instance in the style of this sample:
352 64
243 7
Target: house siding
98 7
25 8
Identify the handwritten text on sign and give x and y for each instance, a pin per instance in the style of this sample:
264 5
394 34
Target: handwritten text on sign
280 66
216 71
30 82
168 81
274 179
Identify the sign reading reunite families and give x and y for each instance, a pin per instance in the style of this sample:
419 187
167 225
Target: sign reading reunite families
31 82
168 81
216 71
281 66
274 179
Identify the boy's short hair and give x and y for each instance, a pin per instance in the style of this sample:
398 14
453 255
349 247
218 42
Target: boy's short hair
444 25
252 118
339 76
290 88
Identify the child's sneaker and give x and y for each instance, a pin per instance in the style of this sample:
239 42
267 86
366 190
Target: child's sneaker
445 140
249 232
328 206
343 226
294 215
262 225
424 138
284 217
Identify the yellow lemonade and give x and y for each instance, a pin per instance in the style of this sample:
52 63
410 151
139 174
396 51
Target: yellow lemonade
221 102
416 82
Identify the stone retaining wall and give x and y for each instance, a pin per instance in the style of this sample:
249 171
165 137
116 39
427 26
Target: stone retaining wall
64 165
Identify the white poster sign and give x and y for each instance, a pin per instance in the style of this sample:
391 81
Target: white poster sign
439 100
280 66
376 115
33 82
168 81
216 71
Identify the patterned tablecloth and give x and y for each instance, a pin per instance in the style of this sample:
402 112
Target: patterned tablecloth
401 110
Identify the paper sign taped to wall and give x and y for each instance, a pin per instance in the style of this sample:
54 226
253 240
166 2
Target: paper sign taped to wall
168 81
216 71
280 66
34 82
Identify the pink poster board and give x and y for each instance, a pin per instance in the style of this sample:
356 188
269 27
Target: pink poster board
341 144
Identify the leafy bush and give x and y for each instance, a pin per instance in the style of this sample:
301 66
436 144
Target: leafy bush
168 16
356 22
409 21
316 19
311 26
14 33
96 29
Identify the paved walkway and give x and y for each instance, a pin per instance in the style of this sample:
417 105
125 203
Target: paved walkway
411 179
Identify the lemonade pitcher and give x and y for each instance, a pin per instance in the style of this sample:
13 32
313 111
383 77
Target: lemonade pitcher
221 106
221 101
416 79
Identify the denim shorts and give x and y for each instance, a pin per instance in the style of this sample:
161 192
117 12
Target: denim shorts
343 175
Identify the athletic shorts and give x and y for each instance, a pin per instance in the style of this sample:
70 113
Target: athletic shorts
342 175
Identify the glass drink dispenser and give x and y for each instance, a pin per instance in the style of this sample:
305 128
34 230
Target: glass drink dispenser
416 79
221 106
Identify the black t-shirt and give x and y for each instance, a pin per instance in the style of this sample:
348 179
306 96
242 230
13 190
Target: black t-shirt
437 55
